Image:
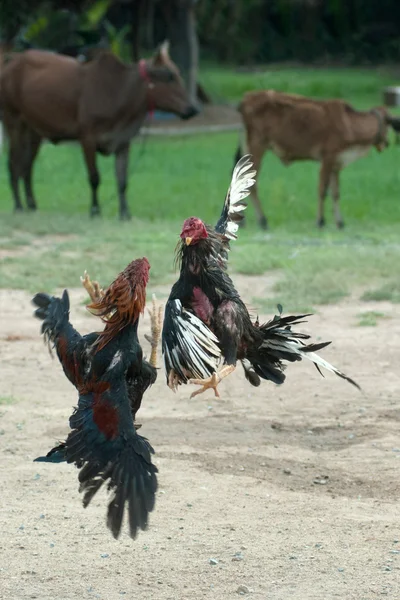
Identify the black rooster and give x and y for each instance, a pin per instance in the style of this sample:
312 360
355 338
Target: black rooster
111 376
207 327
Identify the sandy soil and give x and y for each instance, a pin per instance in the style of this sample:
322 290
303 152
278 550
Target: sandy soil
294 491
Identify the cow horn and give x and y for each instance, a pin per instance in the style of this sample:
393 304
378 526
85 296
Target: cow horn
164 48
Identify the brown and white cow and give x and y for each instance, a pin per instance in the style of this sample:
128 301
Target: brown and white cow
101 104
299 128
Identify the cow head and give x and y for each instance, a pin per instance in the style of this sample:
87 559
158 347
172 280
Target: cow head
381 138
166 89
385 119
394 122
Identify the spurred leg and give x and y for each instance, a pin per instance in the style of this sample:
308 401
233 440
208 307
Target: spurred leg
156 327
213 381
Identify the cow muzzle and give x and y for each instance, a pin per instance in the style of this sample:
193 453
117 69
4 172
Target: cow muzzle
382 145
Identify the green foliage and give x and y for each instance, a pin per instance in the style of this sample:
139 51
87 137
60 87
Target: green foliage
117 40
251 31
96 12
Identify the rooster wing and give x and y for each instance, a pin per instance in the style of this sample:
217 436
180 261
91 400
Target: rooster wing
190 349
58 332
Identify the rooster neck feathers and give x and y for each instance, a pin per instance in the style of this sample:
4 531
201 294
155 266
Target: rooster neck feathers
199 258
123 301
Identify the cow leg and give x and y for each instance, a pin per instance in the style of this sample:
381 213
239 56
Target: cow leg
121 170
334 186
257 151
89 153
14 174
31 149
13 130
324 179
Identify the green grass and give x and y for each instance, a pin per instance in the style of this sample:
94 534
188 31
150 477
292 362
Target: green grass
358 85
7 400
179 177
370 318
388 291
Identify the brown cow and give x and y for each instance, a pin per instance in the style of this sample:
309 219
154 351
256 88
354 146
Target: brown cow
299 128
101 104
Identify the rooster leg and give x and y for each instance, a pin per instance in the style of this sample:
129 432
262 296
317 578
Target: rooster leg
92 287
212 381
156 326
173 380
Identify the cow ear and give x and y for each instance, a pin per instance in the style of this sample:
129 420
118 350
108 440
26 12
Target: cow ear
161 57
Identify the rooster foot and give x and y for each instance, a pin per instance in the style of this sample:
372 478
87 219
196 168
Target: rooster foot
210 383
173 380
92 287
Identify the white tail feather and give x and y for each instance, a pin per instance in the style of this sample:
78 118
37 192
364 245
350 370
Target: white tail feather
296 347
243 178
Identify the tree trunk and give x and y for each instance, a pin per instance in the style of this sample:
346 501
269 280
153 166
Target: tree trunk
184 49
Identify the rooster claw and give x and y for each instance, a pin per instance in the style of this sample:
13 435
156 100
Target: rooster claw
93 288
210 383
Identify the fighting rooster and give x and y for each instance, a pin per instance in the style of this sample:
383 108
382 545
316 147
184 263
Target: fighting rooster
110 375
207 327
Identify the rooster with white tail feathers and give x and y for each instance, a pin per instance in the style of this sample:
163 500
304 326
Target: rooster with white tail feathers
207 327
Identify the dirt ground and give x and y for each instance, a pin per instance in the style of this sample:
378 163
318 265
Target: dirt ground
293 491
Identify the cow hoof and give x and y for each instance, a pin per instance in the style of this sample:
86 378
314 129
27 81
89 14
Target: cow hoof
125 216
32 208
19 209
95 211
340 224
321 223
264 223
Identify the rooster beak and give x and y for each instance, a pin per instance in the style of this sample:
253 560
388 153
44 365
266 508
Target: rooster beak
188 241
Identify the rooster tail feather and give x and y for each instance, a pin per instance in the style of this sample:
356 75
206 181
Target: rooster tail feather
123 464
280 343
132 481
320 362
55 455
243 178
